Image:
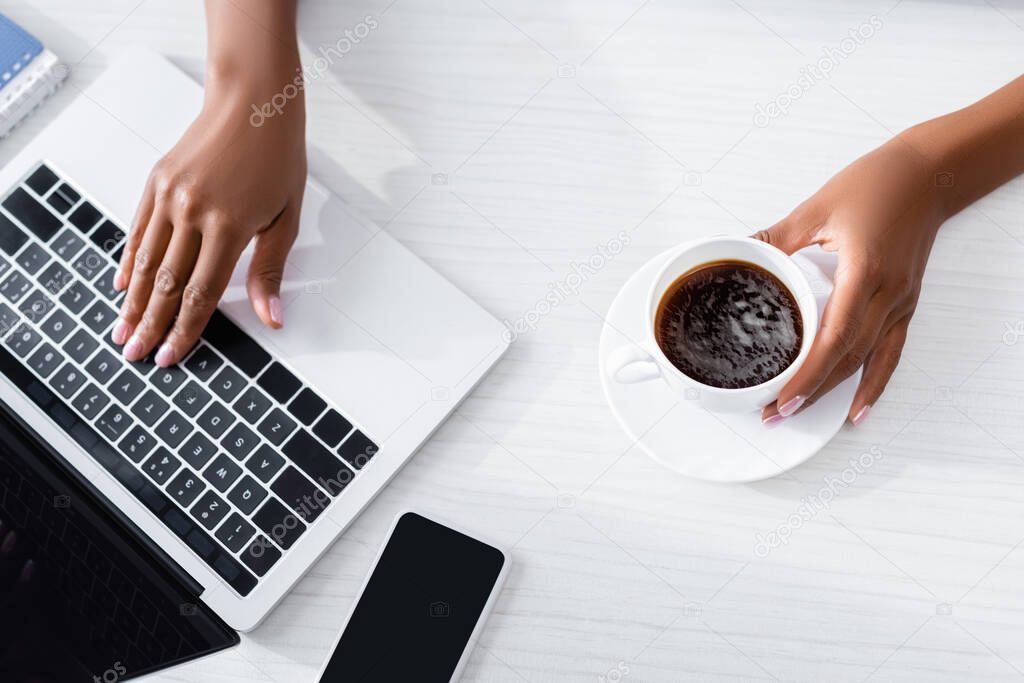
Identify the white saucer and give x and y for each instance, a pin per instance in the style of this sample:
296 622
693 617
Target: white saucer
721 447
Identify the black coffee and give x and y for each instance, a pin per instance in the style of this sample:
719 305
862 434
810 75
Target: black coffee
729 324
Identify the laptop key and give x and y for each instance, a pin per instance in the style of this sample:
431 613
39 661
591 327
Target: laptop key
32 214
108 236
150 408
103 366
36 305
11 236
152 497
89 263
144 365
300 494
279 523
210 510
67 380
45 360
14 287
85 217
91 400
22 340
127 387
167 380
307 406
252 405
227 384
32 258
332 428
161 465
55 278
279 382
58 326
42 179
358 450
197 450
173 429
203 363
59 202
222 473
113 423
67 244
234 574
99 317
260 556
76 298
105 285
236 345
276 427
322 466
137 444
192 398
80 346
240 441
63 198
235 532
264 463
216 419
185 488
8 319
247 494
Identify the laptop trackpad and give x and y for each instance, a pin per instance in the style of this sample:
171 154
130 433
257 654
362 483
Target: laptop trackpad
373 326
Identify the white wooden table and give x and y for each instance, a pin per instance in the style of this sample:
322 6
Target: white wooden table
503 141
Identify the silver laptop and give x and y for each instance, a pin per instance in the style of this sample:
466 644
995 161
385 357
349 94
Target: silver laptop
246 461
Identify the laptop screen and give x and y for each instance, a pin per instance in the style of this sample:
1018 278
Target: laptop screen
81 598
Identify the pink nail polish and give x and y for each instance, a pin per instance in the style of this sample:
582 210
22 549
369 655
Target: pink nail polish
791 406
165 356
133 349
120 331
772 421
275 310
861 415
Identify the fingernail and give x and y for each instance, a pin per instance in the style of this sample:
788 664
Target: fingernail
8 544
119 279
133 349
26 570
275 310
791 406
120 331
861 415
165 356
773 421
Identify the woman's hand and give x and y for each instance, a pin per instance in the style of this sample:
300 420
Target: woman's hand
231 178
880 215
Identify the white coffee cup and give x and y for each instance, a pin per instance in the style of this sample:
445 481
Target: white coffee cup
645 361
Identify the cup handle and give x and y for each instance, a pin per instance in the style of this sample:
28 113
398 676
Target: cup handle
630 364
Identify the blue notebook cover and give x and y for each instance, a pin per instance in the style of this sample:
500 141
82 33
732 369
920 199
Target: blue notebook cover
17 50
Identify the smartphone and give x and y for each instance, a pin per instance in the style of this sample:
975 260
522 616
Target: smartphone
421 608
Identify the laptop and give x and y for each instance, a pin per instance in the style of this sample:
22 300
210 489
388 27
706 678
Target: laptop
239 467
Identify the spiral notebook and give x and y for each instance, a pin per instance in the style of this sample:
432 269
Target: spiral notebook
29 73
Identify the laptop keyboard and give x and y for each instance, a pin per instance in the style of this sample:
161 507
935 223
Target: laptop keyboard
230 449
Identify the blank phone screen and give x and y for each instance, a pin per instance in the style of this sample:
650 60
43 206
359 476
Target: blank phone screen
419 607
